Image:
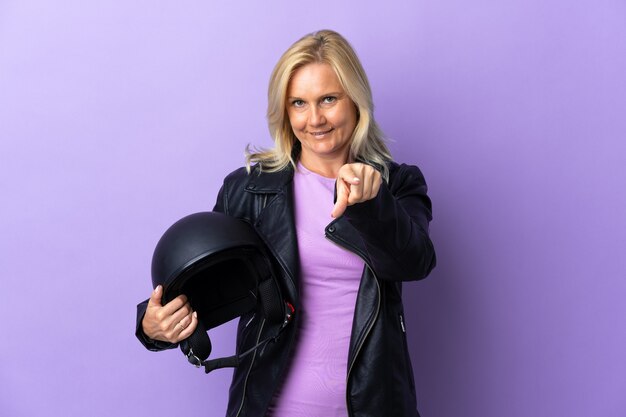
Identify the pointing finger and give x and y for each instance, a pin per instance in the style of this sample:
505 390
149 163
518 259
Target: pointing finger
340 206
343 193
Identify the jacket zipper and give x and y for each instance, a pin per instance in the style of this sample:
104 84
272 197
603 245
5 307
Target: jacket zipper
358 349
370 324
258 337
245 382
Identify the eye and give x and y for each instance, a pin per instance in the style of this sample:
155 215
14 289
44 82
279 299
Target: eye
297 103
329 100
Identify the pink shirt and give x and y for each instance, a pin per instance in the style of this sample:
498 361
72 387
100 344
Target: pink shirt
315 383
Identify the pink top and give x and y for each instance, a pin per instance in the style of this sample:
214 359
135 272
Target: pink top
315 383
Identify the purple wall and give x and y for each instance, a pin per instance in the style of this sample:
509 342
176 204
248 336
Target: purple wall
117 118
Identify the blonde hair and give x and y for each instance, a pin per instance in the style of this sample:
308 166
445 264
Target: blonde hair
367 144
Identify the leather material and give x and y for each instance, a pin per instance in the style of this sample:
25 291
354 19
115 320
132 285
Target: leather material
221 265
390 232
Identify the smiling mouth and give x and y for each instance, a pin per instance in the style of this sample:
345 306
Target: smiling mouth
317 134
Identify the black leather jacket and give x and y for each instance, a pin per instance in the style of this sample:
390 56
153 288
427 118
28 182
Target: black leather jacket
390 233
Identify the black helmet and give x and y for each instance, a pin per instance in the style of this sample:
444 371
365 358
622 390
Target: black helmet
222 266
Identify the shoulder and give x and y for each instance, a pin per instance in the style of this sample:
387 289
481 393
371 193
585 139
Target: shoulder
241 186
242 178
232 182
238 176
232 191
401 175
257 180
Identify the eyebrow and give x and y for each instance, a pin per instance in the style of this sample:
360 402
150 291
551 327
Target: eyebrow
336 94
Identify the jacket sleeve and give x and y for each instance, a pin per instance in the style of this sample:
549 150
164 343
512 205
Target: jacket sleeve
394 226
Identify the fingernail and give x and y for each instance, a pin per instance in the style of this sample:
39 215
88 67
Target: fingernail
195 314
355 179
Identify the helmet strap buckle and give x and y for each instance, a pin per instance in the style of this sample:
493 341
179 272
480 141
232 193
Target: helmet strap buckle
193 359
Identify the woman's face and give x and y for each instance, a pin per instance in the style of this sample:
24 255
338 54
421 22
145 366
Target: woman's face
322 116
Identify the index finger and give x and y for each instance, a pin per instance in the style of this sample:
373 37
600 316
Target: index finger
343 192
339 207
175 305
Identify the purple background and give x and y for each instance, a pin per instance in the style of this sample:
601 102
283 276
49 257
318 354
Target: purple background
118 118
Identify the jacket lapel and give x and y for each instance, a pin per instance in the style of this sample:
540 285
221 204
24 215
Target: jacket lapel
276 221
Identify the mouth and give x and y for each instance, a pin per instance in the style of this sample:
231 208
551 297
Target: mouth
321 133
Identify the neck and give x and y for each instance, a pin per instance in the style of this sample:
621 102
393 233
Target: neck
328 168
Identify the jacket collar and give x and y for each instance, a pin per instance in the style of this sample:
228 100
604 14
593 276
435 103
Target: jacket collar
280 183
268 182
277 220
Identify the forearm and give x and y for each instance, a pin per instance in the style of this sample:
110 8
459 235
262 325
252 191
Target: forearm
394 228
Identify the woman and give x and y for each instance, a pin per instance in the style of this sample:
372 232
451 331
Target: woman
346 224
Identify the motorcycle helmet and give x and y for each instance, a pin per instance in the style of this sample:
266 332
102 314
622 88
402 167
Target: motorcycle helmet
222 266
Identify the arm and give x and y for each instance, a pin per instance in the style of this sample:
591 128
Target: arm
157 326
394 226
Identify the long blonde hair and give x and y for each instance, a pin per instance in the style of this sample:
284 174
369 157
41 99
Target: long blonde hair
328 47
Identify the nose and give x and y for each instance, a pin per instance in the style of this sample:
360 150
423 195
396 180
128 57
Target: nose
316 117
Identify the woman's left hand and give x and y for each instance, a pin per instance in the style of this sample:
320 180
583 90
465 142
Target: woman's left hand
356 183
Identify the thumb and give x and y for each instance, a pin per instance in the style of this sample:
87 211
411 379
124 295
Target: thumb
155 297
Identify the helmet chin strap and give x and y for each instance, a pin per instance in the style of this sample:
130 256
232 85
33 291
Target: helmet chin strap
198 346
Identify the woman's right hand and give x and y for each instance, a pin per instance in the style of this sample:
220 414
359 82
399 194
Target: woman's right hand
172 322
